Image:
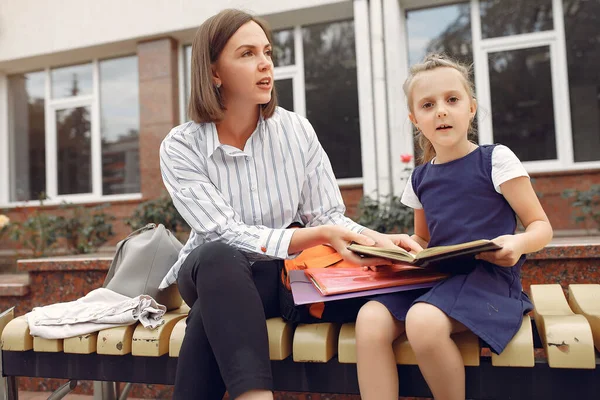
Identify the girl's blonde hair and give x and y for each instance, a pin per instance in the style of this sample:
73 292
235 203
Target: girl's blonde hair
430 62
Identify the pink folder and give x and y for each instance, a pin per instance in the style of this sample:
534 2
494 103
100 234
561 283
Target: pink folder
304 292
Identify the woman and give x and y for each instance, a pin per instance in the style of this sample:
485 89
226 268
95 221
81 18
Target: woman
240 174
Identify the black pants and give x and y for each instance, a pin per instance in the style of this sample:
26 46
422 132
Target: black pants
225 344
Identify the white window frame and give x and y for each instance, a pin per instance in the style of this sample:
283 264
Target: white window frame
556 40
294 72
50 107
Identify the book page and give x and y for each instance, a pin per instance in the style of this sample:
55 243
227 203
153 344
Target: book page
395 254
434 251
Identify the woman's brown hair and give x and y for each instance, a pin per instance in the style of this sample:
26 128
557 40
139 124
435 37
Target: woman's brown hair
433 61
205 103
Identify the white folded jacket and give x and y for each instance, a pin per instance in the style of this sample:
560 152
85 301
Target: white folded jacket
100 309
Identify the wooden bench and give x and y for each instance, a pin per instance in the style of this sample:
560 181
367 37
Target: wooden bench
551 357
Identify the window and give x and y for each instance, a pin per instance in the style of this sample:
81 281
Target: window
69 140
119 125
28 144
315 76
582 35
332 93
445 29
513 17
537 84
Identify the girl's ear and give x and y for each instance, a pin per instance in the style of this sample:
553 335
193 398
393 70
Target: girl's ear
473 108
413 119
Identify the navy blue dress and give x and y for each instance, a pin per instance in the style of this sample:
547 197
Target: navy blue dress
461 205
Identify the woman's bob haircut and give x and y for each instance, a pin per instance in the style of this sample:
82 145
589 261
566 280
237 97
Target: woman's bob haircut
205 103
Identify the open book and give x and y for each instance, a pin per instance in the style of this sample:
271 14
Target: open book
332 281
429 255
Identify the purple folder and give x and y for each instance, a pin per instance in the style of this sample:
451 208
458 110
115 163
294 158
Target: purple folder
304 292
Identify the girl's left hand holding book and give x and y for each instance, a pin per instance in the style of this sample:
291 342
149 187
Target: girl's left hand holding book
508 255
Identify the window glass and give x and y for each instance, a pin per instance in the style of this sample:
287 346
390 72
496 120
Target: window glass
187 67
582 31
332 93
445 29
513 17
522 105
27 135
75 80
283 48
285 93
119 125
73 128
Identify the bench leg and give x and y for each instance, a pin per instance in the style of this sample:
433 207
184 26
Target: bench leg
104 391
63 390
125 392
10 388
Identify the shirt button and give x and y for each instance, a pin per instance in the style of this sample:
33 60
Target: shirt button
253 188
247 158
263 249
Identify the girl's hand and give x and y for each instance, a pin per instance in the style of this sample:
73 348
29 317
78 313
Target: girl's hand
339 238
508 255
406 242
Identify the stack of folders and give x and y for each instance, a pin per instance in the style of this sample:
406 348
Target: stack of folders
414 271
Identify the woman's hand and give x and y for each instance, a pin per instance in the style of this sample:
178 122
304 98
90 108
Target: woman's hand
392 241
508 255
339 238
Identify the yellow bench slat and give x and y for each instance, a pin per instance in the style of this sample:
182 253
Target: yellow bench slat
155 342
347 344
567 337
281 335
16 337
519 351
115 341
584 299
467 342
42 345
176 338
315 342
83 344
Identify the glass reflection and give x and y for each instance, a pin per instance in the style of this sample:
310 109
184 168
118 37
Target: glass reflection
283 48
582 31
445 29
332 94
285 93
27 136
513 17
522 105
187 66
120 121
74 150
75 80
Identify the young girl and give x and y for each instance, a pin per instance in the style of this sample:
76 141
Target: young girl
462 192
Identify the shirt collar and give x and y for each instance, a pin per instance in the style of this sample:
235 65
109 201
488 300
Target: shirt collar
213 142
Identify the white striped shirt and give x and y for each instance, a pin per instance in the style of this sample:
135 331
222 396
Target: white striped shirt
247 198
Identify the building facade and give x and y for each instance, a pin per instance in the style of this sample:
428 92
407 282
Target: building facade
89 89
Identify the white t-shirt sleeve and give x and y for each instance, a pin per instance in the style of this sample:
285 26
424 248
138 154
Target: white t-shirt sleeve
409 197
505 166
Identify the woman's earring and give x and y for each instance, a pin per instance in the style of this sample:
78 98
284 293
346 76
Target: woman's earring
218 85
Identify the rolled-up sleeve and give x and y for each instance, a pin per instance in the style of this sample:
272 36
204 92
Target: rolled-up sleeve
207 212
321 199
